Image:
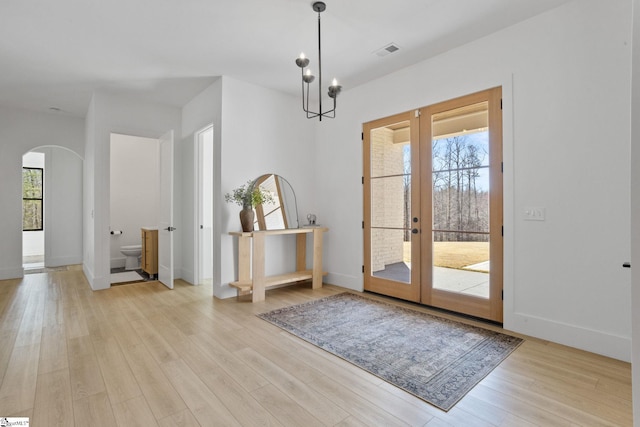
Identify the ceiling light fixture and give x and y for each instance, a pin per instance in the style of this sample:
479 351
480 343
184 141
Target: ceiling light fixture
307 78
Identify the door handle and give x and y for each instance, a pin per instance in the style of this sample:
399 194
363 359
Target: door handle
415 231
170 228
627 265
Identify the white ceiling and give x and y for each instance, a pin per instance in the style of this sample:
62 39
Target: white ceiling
55 53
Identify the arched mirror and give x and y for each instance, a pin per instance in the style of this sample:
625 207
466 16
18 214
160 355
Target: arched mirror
279 211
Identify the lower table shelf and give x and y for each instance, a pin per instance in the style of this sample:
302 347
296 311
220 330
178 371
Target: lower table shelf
246 286
251 262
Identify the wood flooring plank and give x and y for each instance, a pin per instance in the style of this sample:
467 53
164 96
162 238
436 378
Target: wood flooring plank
486 411
192 359
245 375
30 329
124 333
358 406
198 360
162 398
118 378
75 323
53 404
181 419
269 348
533 412
97 323
94 411
352 422
53 349
159 348
319 406
365 384
324 361
561 403
18 389
134 413
53 312
285 409
8 339
203 403
84 369
241 404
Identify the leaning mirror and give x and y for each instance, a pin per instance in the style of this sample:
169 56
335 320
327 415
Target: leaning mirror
279 211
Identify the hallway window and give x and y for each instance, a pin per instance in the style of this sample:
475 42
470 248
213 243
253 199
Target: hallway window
32 194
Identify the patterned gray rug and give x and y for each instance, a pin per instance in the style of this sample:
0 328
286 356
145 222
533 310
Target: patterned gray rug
435 359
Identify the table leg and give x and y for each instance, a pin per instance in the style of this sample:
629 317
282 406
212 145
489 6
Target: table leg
301 252
317 259
244 261
258 268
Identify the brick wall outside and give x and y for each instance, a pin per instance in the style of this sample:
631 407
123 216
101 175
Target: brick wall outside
387 199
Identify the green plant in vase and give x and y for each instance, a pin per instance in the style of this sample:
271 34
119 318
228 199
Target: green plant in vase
248 196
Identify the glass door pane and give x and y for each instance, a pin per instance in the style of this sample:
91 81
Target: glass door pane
388 206
462 251
460 200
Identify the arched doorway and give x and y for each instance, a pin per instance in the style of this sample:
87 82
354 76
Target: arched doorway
55 239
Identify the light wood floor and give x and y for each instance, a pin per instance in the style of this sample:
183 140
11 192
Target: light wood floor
144 355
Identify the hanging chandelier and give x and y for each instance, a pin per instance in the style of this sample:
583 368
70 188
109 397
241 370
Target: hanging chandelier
307 78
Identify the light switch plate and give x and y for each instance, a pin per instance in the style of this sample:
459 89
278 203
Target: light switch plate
534 214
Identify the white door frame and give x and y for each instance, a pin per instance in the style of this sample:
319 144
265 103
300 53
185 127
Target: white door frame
197 215
165 220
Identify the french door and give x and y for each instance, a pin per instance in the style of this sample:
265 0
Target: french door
433 205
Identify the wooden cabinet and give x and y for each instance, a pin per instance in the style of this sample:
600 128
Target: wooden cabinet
149 262
251 259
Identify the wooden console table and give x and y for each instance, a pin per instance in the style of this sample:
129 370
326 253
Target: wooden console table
254 260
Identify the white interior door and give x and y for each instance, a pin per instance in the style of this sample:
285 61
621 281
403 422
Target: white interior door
204 239
165 223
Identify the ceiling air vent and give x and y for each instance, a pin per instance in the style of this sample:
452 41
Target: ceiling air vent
388 49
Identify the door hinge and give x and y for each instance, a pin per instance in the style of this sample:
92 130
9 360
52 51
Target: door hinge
502 167
363 180
501 103
502 294
362 136
363 268
502 231
363 225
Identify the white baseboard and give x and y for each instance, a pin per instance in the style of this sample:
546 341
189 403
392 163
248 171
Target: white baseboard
60 261
599 342
344 281
224 292
11 273
117 262
96 283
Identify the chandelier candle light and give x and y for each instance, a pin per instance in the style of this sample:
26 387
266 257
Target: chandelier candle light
307 78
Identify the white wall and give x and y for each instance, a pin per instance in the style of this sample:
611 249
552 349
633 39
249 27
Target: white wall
62 207
134 190
256 131
20 132
262 131
204 109
566 82
635 213
88 194
109 114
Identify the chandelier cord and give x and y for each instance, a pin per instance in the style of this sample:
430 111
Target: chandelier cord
319 71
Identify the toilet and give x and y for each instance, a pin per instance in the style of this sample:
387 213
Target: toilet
133 253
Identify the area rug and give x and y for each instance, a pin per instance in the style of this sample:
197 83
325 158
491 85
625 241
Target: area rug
435 359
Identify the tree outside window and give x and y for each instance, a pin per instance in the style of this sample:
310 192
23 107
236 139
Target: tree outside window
32 199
